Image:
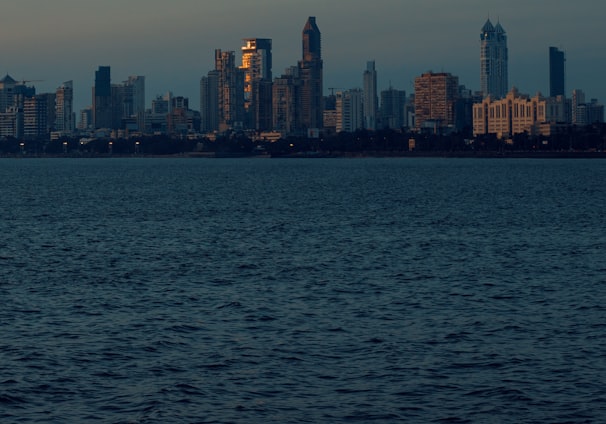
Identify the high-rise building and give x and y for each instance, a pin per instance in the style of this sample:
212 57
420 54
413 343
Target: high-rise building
256 64
285 98
393 105
133 107
230 91
557 72
370 96
209 106
11 112
37 115
102 98
7 93
493 61
584 113
86 119
65 117
310 68
350 113
435 98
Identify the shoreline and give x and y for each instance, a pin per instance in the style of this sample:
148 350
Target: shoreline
346 155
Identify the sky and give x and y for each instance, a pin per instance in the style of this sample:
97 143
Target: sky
172 43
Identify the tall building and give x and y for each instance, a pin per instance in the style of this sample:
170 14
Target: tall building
65 117
102 98
310 68
435 99
256 64
209 106
12 102
86 119
286 91
370 96
557 72
350 113
584 113
133 102
393 105
7 93
38 115
230 91
493 61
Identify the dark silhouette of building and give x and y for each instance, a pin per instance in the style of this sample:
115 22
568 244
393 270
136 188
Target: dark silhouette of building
557 72
310 72
393 103
102 98
286 92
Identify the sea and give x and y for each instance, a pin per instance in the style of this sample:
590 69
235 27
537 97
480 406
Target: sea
314 290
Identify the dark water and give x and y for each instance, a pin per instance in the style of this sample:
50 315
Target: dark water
258 291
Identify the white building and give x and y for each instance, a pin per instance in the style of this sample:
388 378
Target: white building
350 115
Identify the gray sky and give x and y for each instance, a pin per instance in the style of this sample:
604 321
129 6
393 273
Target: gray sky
172 43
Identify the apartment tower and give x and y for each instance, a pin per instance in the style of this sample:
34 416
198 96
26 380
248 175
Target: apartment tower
435 99
256 64
65 118
493 61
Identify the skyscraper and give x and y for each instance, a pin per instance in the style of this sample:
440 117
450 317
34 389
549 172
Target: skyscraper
493 61
230 86
370 96
393 103
556 72
38 115
310 68
102 98
285 99
256 64
209 98
136 93
65 118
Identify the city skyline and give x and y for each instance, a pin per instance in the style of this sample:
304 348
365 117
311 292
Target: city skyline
173 47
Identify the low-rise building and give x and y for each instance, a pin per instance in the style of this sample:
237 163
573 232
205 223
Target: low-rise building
517 113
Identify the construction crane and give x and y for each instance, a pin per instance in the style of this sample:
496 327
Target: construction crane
22 82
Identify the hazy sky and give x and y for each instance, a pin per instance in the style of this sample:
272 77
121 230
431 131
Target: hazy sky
172 43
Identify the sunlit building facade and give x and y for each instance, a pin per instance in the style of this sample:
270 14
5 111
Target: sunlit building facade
435 99
230 90
517 113
257 67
